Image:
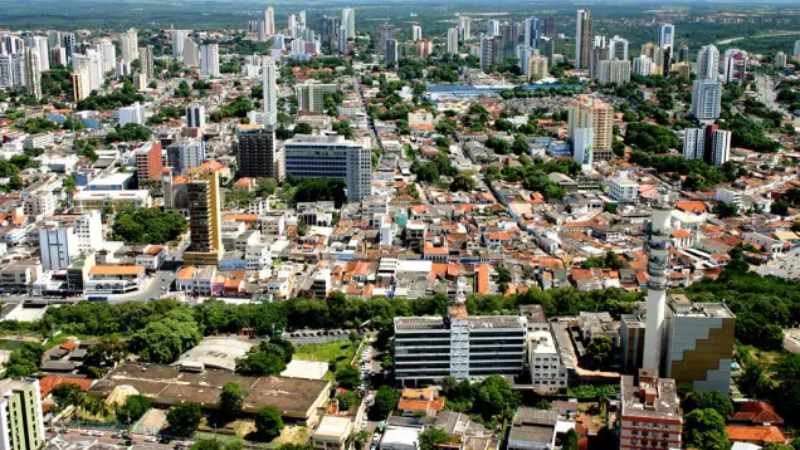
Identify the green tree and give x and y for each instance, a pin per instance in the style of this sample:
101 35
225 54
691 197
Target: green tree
570 440
599 353
348 377
269 424
134 407
214 444
184 419
385 401
148 225
24 360
704 429
462 182
494 397
231 401
708 400
432 437
164 340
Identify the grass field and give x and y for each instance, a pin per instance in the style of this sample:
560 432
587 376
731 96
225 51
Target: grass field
338 352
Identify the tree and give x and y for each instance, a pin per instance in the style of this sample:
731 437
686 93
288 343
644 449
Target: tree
164 340
67 394
431 437
348 377
462 182
724 210
24 361
599 354
214 444
704 429
184 419
347 400
570 440
268 358
494 397
134 407
303 128
231 400
148 225
385 401
269 424
708 400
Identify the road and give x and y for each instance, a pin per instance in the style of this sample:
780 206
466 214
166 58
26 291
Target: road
765 88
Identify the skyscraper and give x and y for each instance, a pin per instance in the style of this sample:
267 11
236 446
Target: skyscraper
532 31
589 112
666 36
191 53
21 420
390 52
549 27
209 59
658 244
416 32
734 69
349 22
108 54
796 52
196 116
130 45
146 60
708 63
613 71
583 39
452 41
270 86
178 39
205 220
618 48
43 49
708 143
331 26
269 21
33 73
489 52
464 28
706 100
185 155
256 153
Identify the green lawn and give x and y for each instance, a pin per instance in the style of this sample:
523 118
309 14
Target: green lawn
340 351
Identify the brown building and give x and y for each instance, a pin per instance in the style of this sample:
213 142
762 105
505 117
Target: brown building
597 115
650 416
205 219
148 161
257 154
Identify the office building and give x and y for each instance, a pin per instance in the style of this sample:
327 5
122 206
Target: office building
666 36
196 116
699 344
185 155
146 61
257 154
148 161
311 96
21 419
548 372
650 412
349 22
452 41
583 39
642 66
589 112
618 48
706 100
269 74
134 114
58 246
613 71
416 32
734 68
330 157
269 21
205 219
178 39
709 144
659 241
461 346
390 52
465 28
129 42
209 60
708 63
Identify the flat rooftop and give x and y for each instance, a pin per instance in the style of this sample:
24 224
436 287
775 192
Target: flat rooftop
666 405
473 323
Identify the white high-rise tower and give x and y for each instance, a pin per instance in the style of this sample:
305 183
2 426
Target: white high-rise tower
269 21
270 85
708 63
658 244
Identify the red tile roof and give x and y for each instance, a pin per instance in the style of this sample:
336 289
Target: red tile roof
757 412
755 435
50 382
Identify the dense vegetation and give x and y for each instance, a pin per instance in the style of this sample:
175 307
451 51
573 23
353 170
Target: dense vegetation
124 96
148 225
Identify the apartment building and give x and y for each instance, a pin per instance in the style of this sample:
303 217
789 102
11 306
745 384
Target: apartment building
650 415
548 372
21 420
593 113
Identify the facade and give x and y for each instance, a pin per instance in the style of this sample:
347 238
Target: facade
623 189
433 348
185 155
330 157
490 51
391 52
583 38
734 68
706 100
205 219
544 360
311 96
642 65
708 63
613 71
58 246
618 48
209 60
148 161
666 36
196 116
21 419
537 68
147 62
269 81
452 41
699 344
589 112
650 415
129 41
131 114
709 144
349 22
256 153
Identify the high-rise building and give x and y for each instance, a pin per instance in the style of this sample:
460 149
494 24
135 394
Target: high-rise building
613 71
493 27
33 73
146 60
269 79
708 63
209 59
39 43
330 157
416 32
549 27
12 71
734 69
148 161
205 219
709 144
658 244
537 67
185 155
87 73
257 154
134 113
452 41
68 44
269 21
589 112
465 28
796 51
683 54
311 96
21 420
666 36
390 52
349 22
706 100
643 65
196 116
582 142
461 346
489 52
699 343
58 246
331 26
780 60
178 39
129 41
191 53
583 39
108 55
532 32
650 412
618 48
